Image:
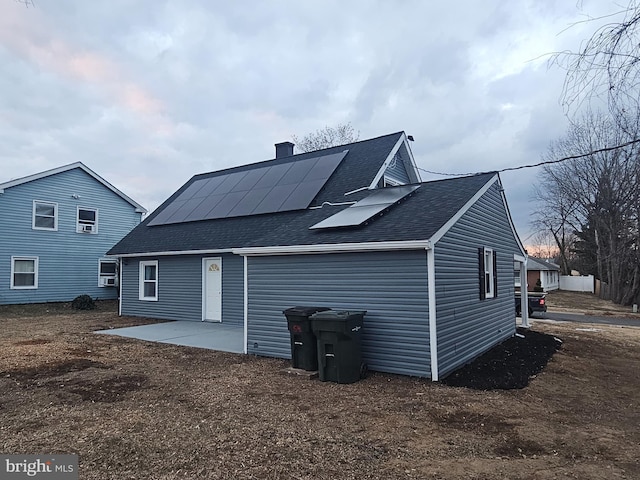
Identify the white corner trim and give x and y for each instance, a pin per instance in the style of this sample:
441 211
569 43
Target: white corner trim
333 248
246 305
433 330
385 164
452 221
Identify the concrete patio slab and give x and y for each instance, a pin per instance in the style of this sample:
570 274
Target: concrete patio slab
214 336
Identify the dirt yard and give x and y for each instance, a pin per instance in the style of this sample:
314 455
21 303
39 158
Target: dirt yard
138 410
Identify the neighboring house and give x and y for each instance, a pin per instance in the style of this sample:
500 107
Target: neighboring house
431 263
56 229
547 272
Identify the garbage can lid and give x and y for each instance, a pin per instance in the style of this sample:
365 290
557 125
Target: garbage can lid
338 314
304 311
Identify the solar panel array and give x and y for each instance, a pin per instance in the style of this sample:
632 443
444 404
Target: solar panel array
267 189
366 208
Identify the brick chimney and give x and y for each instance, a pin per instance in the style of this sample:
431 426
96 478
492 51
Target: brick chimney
284 149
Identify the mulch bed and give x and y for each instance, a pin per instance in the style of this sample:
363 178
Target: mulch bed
509 365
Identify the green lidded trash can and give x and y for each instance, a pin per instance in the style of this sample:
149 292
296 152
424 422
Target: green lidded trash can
339 336
303 342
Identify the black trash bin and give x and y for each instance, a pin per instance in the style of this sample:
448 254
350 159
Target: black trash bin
303 342
339 345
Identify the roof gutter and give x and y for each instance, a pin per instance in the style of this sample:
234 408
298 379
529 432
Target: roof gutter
333 248
169 253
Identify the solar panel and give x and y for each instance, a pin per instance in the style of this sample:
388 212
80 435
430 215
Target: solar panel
264 189
298 171
366 208
273 175
302 194
192 190
209 187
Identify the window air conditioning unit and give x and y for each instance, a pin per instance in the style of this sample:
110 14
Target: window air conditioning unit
88 228
108 281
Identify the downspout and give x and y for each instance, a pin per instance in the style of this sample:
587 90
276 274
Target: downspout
433 331
246 305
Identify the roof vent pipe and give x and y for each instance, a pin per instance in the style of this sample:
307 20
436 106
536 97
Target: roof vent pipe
284 149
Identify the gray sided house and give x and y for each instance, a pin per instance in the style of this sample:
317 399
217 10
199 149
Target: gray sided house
348 227
56 227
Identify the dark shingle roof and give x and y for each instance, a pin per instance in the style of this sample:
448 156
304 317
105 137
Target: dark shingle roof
417 217
358 169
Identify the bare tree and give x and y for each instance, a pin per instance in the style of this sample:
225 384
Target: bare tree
607 66
596 199
327 137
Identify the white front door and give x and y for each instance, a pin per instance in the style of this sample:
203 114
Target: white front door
212 290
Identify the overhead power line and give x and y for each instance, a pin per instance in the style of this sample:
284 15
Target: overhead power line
539 164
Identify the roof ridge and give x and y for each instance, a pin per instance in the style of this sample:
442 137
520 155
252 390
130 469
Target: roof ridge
290 158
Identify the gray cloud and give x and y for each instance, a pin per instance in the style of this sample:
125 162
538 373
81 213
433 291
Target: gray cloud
149 93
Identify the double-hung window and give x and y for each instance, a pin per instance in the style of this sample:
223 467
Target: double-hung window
24 272
45 215
148 287
87 221
488 273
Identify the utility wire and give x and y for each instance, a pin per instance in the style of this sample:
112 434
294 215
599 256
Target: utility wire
533 165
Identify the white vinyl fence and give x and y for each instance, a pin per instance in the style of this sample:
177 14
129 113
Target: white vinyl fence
577 284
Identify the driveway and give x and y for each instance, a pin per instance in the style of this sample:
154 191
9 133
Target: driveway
214 336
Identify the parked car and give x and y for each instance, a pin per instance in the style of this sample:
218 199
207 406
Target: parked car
537 302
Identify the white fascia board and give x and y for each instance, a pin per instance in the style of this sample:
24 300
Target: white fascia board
387 161
519 258
65 168
333 248
414 173
171 253
452 221
37 176
511 224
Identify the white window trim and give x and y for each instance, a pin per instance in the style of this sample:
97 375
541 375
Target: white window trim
35 269
79 226
488 273
100 275
141 280
55 216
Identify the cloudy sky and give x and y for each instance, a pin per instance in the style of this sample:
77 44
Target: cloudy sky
148 93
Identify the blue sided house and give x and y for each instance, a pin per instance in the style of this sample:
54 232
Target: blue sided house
350 227
56 227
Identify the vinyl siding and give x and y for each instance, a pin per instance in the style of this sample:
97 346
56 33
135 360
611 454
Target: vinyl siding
390 286
466 325
68 261
396 171
180 288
